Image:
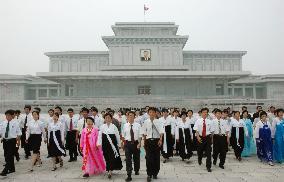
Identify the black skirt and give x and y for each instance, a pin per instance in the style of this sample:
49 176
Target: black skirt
54 150
169 141
70 140
35 143
112 162
185 144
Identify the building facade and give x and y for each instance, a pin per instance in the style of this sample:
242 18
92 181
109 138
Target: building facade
145 62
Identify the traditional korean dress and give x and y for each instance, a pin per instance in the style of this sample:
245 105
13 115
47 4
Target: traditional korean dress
237 130
184 135
93 159
278 147
109 139
264 141
249 142
168 140
56 137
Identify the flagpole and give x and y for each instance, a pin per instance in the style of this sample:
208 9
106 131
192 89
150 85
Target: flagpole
144 13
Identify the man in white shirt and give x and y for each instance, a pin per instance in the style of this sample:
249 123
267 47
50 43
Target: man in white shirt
131 137
72 135
220 138
153 137
203 128
25 118
10 133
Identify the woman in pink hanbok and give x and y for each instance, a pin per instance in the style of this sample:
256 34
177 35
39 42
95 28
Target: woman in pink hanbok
93 159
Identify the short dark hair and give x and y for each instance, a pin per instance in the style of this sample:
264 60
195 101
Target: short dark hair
218 110
37 109
131 112
258 107
204 109
17 112
70 110
279 110
245 111
56 114
51 110
58 107
226 111
152 109
10 112
190 111
107 114
176 111
183 113
28 107
90 118
85 109
94 109
262 113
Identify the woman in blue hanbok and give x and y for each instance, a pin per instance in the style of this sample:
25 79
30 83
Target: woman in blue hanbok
278 134
263 139
249 145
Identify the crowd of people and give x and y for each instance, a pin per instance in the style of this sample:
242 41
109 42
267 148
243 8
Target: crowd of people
167 132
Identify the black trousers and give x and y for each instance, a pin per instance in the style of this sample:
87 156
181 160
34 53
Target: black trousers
9 154
24 144
71 144
220 148
205 145
152 157
131 152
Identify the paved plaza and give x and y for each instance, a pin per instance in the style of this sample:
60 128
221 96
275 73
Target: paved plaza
250 169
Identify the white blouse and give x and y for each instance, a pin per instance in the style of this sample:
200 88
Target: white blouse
35 127
108 129
168 121
238 124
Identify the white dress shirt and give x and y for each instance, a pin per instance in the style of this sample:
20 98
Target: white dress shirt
74 123
136 130
259 125
35 127
198 126
275 122
152 129
108 129
23 118
220 127
14 129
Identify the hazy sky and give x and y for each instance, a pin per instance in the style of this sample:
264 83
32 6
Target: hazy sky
28 28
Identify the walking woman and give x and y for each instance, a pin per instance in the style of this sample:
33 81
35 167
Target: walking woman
109 139
249 143
184 137
93 159
34 134
263 139
56 140
278 132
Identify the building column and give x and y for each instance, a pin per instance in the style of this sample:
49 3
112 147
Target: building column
233 90
225 83
254 91
244 91
36 94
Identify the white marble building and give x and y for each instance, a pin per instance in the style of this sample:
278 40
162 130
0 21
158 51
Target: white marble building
145 64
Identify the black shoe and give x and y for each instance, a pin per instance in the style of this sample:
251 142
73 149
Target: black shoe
215 162
26 157
128 178
155 177
86 175
3 174
165 161
70 160
221 166
74 159
109 176
136 172
17 158
149 178
209 170
199 162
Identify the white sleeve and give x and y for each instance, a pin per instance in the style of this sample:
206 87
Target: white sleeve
123 133
173 126
257 130
177 132
99 142
117 135
273 128
28 132
62 131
